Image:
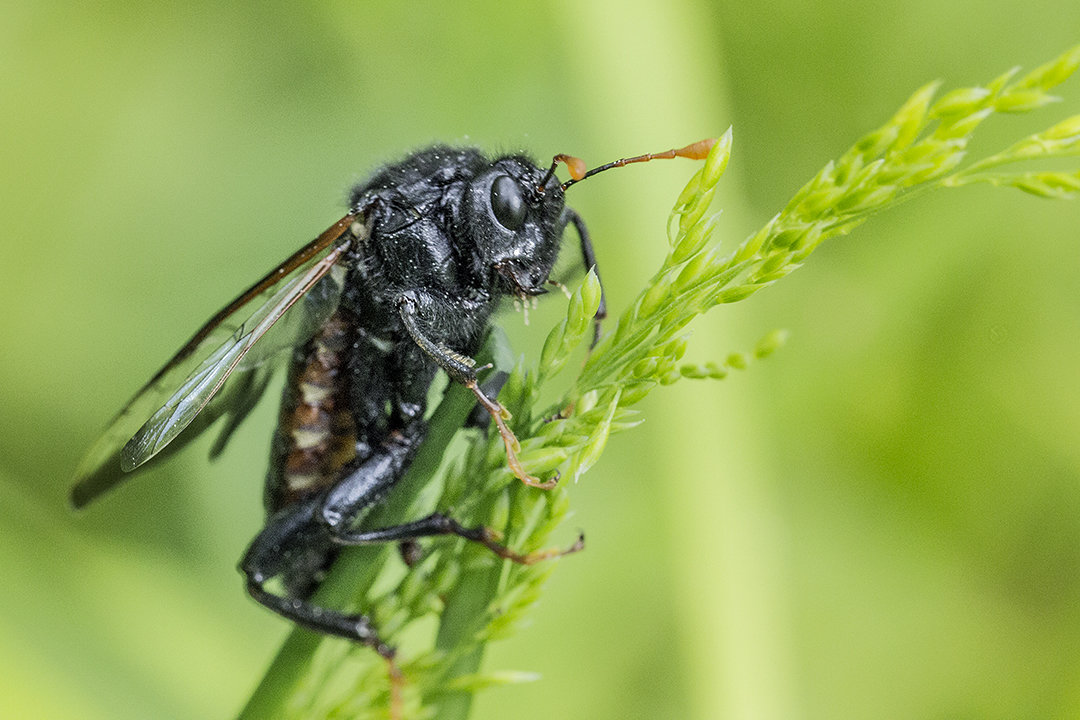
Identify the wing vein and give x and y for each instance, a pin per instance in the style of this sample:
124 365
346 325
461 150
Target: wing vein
188 401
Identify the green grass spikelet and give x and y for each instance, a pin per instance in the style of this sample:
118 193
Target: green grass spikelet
474 597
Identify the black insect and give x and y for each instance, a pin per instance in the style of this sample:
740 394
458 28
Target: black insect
402 286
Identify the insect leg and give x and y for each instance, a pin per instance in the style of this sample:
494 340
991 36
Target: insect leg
298 541
351 627
439 524
491 387
292 542
589 256
462 369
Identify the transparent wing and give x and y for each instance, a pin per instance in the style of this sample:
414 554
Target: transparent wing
238 339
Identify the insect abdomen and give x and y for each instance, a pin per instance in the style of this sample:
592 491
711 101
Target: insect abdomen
316 436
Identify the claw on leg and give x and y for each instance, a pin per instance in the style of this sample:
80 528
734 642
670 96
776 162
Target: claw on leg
490 539
500 414
542 555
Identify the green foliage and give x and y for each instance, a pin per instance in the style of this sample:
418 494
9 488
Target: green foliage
468 597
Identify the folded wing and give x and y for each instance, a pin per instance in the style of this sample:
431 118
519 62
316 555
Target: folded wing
190 390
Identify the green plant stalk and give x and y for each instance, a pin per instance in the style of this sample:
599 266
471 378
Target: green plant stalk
478 599
470 598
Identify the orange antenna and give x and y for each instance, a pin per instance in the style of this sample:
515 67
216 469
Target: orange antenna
575 165
693 151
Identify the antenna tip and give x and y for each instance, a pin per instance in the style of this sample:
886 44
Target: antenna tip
698 150
574 165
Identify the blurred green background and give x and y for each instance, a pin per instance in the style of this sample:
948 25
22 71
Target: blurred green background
882 520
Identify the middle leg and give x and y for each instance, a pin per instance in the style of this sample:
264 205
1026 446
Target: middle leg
440 524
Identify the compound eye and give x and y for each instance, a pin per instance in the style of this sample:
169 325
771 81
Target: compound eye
507 202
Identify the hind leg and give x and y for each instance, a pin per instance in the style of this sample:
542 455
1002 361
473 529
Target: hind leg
295 548
298 541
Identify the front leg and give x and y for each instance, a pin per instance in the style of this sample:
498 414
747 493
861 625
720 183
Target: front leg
588 255
462 369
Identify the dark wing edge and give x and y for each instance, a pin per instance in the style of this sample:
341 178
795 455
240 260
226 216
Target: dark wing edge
131 439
